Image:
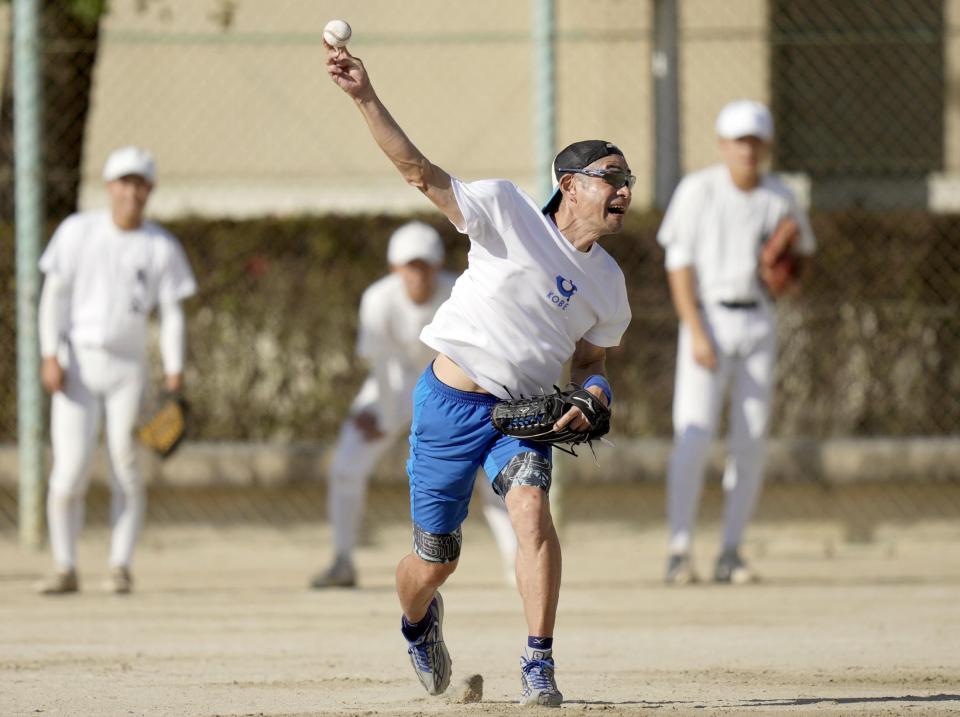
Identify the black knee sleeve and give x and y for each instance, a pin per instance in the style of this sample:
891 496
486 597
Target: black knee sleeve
529 468
437 547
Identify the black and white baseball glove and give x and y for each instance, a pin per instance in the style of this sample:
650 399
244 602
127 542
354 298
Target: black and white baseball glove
533 418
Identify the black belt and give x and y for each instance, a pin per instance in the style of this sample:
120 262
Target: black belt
739 304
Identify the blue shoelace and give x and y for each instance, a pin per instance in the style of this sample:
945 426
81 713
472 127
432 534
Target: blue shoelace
421 651
539 674
422 657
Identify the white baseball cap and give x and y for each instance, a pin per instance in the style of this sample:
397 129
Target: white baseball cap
130 160
412 241
745 118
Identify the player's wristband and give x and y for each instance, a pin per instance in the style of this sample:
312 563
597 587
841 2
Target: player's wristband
601 381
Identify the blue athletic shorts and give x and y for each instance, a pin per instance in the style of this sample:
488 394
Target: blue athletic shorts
450 438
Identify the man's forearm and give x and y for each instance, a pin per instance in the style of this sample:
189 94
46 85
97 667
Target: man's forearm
579 374
52 314
173 338
416 170
684 295
587 360
394 143
388 402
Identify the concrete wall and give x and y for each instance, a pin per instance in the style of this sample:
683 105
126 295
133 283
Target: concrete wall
245 122
724 56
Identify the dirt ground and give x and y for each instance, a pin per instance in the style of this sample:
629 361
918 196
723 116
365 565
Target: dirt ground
222 623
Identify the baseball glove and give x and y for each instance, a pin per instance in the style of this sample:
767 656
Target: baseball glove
166 427
779 263
532 418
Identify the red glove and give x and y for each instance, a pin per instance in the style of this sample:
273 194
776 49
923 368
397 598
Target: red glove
779 263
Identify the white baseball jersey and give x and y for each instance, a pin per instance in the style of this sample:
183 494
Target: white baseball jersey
719 229
389 339
115 278
527 296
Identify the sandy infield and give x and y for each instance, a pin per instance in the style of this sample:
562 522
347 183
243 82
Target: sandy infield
222 623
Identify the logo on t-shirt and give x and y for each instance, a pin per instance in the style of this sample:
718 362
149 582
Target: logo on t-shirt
565 291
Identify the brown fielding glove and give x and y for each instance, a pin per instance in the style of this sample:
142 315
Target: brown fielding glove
779 264
166 427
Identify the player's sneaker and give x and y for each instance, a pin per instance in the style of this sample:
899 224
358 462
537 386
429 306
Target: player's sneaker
680 570
60 583
119 582
539 686
341 574
428 653
730 568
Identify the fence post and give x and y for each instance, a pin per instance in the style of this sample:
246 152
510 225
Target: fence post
544 95
29 225
545 131
666 114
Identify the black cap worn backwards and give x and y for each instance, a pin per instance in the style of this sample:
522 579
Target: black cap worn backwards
578 155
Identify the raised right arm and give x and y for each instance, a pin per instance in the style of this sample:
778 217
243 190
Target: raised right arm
351 76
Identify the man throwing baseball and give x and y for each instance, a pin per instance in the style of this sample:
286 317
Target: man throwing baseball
105 273
538 291
714 232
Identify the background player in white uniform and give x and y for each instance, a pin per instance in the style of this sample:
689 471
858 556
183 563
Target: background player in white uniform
393 312
713 231
105 273
538 291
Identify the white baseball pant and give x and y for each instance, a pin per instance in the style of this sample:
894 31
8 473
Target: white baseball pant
746 345
98 384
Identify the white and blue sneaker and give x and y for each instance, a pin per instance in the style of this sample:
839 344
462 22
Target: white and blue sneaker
428 653
536 677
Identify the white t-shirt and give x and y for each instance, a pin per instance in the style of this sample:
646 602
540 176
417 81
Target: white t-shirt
527 296
389 339
115 278
719 229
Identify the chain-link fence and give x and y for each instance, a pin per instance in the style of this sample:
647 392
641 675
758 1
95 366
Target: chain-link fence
232 97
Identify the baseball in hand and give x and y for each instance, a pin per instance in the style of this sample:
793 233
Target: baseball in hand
337 33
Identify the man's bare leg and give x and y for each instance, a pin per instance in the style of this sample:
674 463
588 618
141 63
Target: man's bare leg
422 623
417 583
538 578
538 557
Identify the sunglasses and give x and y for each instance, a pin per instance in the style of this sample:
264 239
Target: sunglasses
616 178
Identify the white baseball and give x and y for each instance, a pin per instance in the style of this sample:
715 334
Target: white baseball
337 33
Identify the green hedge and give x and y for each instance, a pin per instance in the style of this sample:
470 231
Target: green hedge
868 349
